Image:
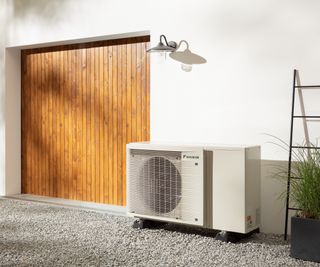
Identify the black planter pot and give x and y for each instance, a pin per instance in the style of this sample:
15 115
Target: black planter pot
305 239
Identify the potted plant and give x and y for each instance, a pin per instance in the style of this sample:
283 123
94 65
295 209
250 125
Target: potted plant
305 195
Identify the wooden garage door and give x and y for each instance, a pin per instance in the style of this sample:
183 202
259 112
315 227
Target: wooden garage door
81 104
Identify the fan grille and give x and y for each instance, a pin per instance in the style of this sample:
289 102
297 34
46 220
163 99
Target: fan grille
156 187
160 184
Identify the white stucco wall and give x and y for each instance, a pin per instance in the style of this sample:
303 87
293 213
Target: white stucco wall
243 92
3 34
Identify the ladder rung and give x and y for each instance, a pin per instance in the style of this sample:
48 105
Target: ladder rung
307 147
296 178
294 209
307 86
309 117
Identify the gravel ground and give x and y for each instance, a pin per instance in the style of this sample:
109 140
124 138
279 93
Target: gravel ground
47 235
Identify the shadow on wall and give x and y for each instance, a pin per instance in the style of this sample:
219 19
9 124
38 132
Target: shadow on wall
3 34
12 10
47 9
272 204
51 83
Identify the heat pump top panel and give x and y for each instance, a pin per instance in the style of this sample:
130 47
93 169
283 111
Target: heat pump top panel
186 146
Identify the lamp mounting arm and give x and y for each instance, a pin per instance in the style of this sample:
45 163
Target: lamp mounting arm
170 43
165 39
181 42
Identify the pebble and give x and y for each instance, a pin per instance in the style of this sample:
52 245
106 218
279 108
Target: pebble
40 234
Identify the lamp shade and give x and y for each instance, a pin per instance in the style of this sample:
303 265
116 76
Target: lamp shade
187 57
161 48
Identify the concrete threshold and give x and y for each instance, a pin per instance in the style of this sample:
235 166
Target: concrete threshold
98 207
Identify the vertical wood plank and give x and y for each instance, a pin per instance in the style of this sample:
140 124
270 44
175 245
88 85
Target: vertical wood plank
28 138
43 154
92 134
84 122
115 121
143 94
55 126
73 126
128 106
119 124
96 124
105 116
35 119
124 123
78 163
138 99
101 128
66 128
26 122
88 141
129 93
49 118
62 122
147 56
110 128
69 103
40 132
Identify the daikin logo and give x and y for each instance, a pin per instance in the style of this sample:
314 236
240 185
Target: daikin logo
190 157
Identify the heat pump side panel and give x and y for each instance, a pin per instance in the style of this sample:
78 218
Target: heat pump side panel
253 180
228 190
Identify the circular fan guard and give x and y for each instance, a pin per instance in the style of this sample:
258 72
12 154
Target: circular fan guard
160 185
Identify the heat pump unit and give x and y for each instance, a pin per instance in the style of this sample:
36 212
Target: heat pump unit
216 187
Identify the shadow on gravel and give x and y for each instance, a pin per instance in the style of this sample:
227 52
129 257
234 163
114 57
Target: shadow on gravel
257 238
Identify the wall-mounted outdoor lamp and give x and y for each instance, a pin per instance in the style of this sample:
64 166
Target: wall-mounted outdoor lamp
161 47
186 57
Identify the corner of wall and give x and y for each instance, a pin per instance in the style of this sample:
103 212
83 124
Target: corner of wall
11 174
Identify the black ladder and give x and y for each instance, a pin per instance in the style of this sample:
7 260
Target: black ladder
297 85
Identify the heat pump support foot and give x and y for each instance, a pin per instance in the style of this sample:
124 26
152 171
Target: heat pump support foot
232 237
143 223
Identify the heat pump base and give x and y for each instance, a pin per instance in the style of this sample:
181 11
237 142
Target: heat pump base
232 237
144 223
224 236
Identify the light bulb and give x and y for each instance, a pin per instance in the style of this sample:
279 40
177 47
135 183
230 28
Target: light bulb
186 67
161 57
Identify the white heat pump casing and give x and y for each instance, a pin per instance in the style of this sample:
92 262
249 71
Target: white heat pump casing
222 193
143 157
236 188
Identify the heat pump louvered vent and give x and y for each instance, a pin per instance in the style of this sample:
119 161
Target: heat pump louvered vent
160 184
165 184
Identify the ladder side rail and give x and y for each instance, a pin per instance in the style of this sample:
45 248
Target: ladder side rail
290 154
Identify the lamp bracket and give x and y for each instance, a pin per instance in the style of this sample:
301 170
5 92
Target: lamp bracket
181 42
170 43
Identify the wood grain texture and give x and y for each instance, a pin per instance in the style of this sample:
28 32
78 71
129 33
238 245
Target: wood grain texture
81 105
